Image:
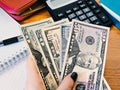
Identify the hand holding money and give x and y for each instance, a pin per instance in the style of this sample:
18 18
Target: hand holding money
63 47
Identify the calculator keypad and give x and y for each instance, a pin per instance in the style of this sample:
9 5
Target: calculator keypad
87 11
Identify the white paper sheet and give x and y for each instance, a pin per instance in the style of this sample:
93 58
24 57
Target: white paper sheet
13 78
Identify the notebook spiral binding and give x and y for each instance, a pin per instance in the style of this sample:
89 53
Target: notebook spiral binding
14 59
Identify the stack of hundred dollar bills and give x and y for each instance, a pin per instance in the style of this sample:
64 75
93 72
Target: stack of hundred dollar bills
62 47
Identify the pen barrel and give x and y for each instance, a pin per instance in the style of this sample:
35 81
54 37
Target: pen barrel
11 40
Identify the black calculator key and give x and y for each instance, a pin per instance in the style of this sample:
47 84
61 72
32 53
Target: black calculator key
85 10
103 17
75 8
96 11
82 17
98 22
87 20
82 6
80 2
90 3
76 18
93 6
60 15
80 12
93 18
68 11
89 14
71 16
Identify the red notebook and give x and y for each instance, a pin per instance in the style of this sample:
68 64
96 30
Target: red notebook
34 8
16 6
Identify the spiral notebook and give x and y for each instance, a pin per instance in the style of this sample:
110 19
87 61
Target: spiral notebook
13 48
14 53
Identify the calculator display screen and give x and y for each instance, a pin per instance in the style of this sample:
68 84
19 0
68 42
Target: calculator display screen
54 4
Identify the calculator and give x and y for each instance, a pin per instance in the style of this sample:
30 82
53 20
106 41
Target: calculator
84 10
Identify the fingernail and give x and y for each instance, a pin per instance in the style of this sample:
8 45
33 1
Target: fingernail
74 76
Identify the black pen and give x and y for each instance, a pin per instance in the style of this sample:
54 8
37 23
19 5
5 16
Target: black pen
11 40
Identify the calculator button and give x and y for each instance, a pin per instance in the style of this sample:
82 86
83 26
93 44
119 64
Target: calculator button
93 18
71 16
87 20
103 17
60 15
82 5
82 17
76 18
97 22
97 11
80 2
89 14
85 10
68 11
93 6
79 12
75 8
89 2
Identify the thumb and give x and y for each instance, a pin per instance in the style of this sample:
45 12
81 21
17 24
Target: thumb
68 82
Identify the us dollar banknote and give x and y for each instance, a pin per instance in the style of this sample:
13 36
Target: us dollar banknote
52 38
54 79
45 72
64 31
38 24
48 59
86 54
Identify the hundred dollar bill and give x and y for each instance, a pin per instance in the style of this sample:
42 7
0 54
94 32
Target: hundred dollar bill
52 38
86 54
105 85
49 81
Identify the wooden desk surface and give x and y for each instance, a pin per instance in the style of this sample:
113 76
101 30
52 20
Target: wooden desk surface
112 67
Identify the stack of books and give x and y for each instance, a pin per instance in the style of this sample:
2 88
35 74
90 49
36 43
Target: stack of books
113 9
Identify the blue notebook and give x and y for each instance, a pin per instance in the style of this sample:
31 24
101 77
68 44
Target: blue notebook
114 5
116 20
